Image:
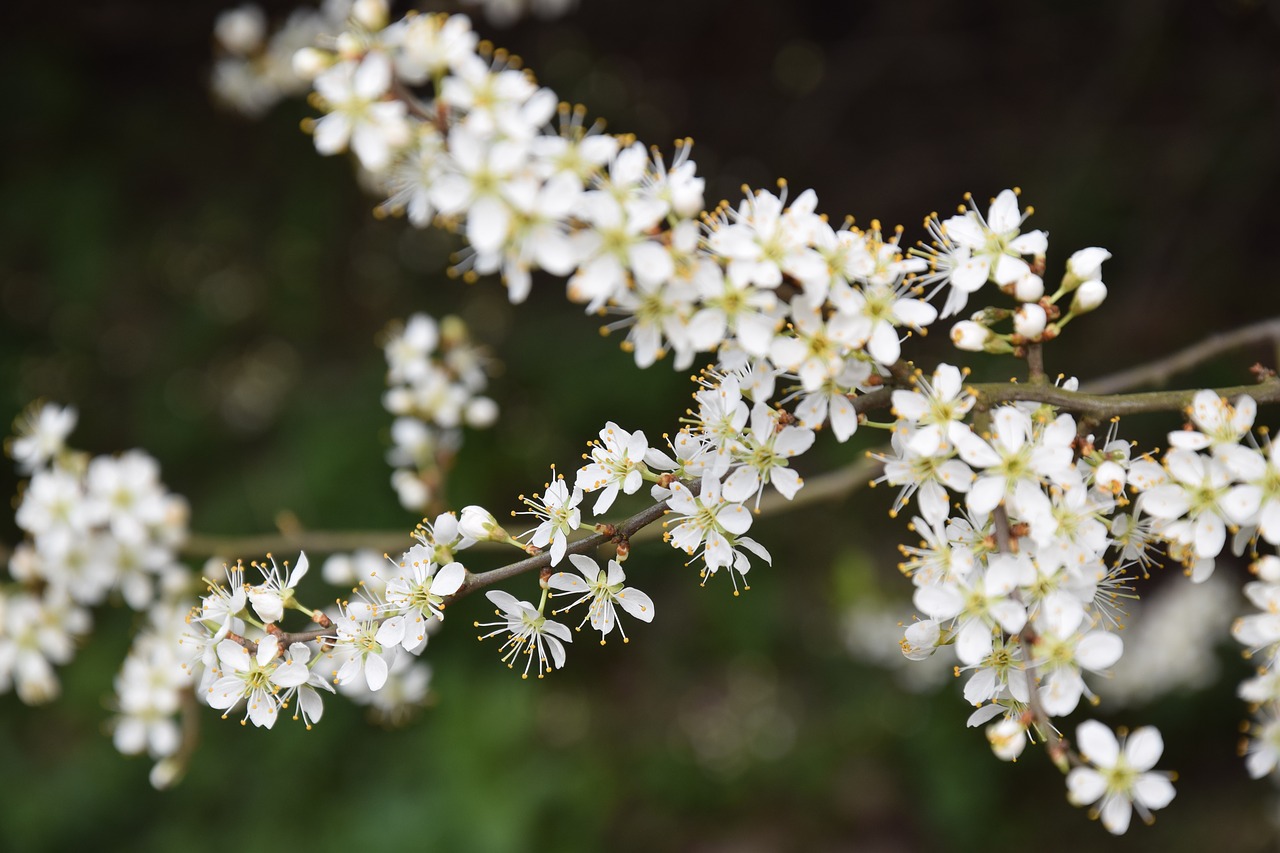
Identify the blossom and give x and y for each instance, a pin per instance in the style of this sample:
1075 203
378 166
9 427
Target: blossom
529 633
418 591
968 249
617 465
353 91
936 409
1191 503
1219 424
705 517
765 452
1017 456
41 435
257 679
270 597
604 592
1120 779
558 509
366 645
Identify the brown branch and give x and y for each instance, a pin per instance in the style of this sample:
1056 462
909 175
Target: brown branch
1103 406
1158 371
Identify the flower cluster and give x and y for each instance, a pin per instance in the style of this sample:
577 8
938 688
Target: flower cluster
98 528
1032 530
436 379
365 647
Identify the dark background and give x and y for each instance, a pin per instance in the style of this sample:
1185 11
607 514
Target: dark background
209 289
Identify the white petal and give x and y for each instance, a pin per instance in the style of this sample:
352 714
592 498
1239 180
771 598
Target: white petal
375 672
1097 743
1143 748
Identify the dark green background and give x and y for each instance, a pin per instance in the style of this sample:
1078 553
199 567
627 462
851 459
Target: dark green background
209 289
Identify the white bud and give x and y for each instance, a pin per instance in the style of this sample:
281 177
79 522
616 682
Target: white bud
1007 738
309 63
349 46
481 412
370 14
242 30
412 492
1088 296
921 639
1029 288
969 336
166 773
1086 264
1029 321
1268 568
479 524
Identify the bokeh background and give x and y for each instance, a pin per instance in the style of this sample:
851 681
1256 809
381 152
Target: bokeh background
207 288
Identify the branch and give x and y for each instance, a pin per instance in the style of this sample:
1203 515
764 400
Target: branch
316 541
1158 371
1102 406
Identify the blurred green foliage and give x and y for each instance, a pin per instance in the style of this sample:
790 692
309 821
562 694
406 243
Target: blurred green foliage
208 289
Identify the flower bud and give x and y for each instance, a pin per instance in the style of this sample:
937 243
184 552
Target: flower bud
241 31
1007 738
921 639
970 336
309 63
1089 296
479 524
1086 264
1267 568
1029 321
1029 288
167 773
412 492
370 14
481 412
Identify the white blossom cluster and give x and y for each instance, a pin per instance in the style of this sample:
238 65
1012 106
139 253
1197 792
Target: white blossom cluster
1020 582
435 380
98 528
1031 528
254 70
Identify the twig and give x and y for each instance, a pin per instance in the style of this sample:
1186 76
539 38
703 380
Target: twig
1158 371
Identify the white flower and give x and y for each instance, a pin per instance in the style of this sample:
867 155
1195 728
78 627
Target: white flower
529 632
270 597
979 604
764 241
419 591
1007 738
618 465
764 452
1017 455
374 127
969 250
707 516
1220 424
876 312
558 509
604 592
257 679
1192 503
937 409
41 435
970 336
365 644
430 44
1120 779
